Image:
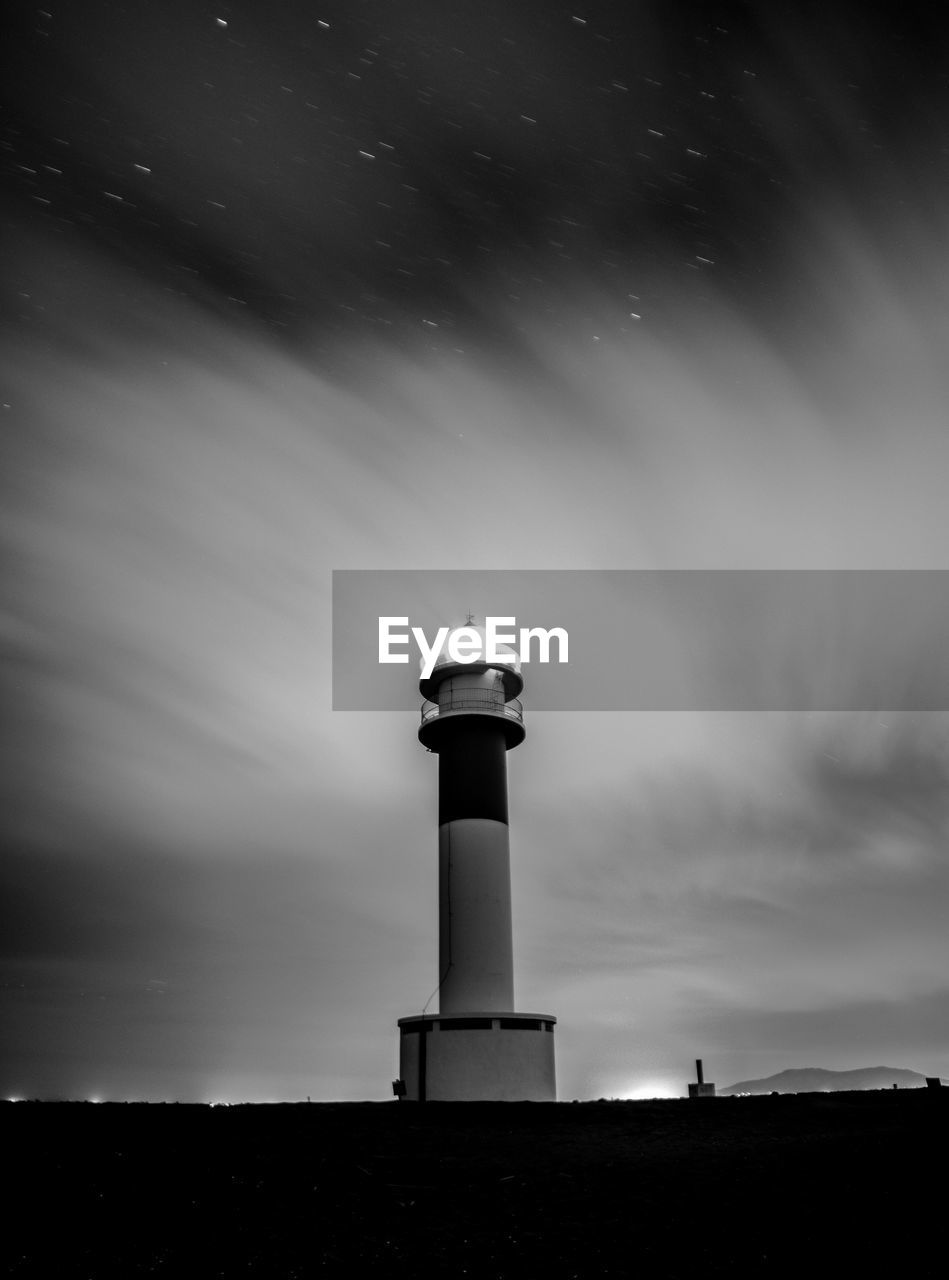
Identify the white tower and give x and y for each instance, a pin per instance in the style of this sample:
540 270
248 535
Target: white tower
476 1047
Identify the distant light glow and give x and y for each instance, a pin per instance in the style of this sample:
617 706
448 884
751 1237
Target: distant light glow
641 1090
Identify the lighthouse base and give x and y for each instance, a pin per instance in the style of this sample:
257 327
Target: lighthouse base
478 1057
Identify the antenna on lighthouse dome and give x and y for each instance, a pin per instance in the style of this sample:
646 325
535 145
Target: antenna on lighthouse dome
469 618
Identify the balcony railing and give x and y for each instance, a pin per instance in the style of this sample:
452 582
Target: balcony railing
485 702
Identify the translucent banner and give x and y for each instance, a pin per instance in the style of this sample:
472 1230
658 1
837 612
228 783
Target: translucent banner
652 640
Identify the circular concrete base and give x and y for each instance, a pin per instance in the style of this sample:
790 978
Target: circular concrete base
478 1057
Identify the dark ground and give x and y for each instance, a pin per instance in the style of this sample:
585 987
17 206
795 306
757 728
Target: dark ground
810 1185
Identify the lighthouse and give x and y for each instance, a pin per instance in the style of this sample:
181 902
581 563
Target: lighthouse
477 1047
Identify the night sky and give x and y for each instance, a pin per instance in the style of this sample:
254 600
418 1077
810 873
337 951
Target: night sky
309 286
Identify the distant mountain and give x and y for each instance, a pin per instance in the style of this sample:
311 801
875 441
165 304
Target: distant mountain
818 1080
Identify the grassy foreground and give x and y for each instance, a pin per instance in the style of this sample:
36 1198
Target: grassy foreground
811 1185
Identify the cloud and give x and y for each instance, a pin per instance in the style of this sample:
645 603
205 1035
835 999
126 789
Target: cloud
798 868
868 1032
177 491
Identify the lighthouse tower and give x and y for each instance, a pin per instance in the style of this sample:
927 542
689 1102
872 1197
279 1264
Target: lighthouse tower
476 1047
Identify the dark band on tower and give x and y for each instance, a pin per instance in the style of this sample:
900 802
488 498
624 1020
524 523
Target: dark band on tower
472 770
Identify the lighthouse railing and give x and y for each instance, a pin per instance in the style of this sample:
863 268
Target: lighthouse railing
485 701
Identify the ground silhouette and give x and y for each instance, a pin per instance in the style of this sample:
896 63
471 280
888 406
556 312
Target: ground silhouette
807 1185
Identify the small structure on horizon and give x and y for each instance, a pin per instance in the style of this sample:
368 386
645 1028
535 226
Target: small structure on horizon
700 1089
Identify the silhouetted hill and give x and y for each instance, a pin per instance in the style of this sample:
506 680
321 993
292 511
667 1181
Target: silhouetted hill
819 1080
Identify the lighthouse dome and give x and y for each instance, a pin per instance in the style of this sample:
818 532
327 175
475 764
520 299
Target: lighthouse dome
476 641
